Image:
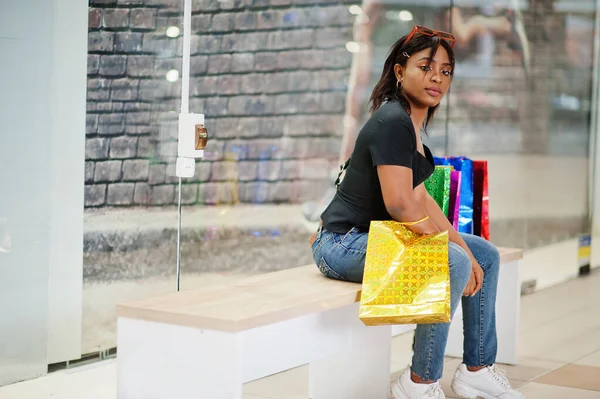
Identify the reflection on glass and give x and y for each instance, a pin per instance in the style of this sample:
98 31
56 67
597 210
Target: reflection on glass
173 31
520 98
172 75
272 82
519 101
134 66
355 10
285 90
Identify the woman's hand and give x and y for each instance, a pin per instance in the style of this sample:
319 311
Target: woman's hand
312 239
476 280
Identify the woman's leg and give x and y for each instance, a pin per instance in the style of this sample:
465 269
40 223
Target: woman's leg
430 339
341 256
479 311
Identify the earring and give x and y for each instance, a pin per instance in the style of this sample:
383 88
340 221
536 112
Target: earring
399 84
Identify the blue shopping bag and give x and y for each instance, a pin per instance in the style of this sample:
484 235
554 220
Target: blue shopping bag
465 212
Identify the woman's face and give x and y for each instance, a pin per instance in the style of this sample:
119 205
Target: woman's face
425 81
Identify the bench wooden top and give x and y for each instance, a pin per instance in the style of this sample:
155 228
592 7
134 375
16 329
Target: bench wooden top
255 301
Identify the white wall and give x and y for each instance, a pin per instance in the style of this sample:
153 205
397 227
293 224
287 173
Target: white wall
68 105
42 132
25 175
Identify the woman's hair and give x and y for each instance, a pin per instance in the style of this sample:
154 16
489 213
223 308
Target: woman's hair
387 89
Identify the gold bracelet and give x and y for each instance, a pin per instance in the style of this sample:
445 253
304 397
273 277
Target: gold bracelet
417 222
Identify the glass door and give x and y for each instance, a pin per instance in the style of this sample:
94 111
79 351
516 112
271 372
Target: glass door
133 101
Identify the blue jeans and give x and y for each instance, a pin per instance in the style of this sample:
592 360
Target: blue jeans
342 257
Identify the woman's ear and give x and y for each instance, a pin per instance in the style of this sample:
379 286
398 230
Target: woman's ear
399 72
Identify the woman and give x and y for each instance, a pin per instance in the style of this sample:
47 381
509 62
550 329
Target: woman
384 181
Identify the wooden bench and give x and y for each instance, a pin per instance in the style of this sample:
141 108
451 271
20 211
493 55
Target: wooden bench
206 343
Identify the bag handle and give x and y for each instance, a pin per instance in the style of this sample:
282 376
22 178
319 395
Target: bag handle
414 223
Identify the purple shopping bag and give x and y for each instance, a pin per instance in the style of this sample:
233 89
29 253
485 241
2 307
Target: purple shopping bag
453 212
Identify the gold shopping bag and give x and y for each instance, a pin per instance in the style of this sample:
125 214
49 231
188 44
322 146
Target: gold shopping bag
407 277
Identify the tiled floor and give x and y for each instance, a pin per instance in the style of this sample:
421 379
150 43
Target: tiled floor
559 345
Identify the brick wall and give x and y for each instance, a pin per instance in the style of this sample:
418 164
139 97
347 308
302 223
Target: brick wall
270 76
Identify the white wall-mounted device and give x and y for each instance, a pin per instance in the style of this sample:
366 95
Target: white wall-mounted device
192 138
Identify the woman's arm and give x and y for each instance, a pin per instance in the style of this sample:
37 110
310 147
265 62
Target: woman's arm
439 218
441 221
399 198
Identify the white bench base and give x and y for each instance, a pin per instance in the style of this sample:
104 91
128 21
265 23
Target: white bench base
162 361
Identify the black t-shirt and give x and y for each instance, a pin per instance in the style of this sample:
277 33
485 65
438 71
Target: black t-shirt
388 138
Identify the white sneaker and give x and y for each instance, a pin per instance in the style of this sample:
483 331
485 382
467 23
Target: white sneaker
405 388
487 383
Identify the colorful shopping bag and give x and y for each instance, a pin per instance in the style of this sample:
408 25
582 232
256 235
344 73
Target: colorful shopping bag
465 166
406 278
453 210
438 186
481 213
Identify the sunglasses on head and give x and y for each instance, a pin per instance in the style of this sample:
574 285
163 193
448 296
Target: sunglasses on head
425 31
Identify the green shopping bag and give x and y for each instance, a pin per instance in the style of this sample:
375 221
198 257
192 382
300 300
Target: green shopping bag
438 186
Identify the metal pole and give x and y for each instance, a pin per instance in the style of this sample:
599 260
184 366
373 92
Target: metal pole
185 109
447 122
185 68
179 238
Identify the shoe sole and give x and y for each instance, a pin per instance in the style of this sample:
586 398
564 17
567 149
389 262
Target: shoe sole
394 396
466 391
